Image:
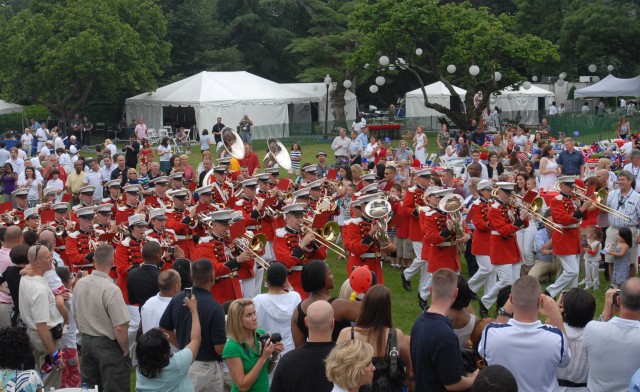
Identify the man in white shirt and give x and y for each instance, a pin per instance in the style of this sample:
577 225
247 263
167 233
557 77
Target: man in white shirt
16 162
612 344
109 166
553 109
46 149
340 146
94 177
475 158
42 134
39 313
64 160
524 340
152 310
623 104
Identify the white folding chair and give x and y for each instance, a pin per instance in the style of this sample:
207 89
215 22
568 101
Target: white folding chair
152 136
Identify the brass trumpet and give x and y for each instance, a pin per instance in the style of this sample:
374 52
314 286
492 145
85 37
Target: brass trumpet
533 209
254 243
122 232
58 230
10 219
336 184
197 220
599 201
326 236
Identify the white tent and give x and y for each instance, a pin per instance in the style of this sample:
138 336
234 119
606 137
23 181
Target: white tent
7 108
522 103
229 95
302 113
436 93
611 87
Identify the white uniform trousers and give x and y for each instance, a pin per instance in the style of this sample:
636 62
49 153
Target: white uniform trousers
506 274
569 277
419 265
485 275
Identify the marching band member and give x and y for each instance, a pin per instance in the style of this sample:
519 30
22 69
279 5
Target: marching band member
131 203
479 212
359 239
440 232
432 202
413 200
274 176
204 205
302 196
162 199
165 237
315 193
50 195
178 220
128 255
103 218
81 243
222 191
86 197
293 248
20 197
253 214
177 181
568 212
503 248
113 198
366 180
227 261
31 220
370 189
60 211
309 174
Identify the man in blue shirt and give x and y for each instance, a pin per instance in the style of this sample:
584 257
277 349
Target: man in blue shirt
570 161
546 262
477 137
435 349
364 136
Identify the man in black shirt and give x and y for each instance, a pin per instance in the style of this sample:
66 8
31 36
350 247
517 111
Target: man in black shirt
206 371
142 282
303 368
120 172
435 350
131 151
216 129
206 166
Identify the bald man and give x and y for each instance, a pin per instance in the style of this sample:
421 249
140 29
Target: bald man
12 237
169 285
303 368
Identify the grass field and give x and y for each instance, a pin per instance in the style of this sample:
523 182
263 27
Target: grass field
405 304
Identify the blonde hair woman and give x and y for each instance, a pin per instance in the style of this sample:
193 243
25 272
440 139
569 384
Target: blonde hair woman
349 366
249 360
605 163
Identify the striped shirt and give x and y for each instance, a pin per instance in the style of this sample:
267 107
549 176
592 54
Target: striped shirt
295 154
628 205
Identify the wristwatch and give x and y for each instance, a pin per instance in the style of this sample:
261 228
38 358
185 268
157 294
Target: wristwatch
502 312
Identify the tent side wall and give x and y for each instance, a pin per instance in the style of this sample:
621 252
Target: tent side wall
151 112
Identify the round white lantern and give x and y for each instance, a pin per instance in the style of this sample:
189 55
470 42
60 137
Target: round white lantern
373 88
560 82
534 78
346 84
595 79
497 76
451 68
474 70
592 68
384 61
563 75
526 85
380 80
610 68
419 52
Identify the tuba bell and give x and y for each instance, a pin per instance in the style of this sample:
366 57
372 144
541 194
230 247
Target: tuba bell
232 143
279 153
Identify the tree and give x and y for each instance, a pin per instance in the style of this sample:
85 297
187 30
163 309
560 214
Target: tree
452 33
63 52
326 48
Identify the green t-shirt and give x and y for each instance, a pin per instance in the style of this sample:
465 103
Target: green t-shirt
249 359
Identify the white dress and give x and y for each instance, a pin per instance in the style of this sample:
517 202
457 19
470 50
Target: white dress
421 155
548 181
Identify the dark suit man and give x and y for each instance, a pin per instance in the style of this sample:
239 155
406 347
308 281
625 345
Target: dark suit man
142 282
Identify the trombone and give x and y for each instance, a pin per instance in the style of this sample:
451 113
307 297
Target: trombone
326 236
254 243
599 201
533 209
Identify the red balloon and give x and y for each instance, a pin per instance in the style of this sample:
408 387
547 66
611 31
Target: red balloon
361 279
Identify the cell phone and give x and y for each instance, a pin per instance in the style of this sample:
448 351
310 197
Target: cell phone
188 293
171 250
616 297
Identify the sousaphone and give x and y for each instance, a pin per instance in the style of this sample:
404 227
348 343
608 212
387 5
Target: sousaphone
278 153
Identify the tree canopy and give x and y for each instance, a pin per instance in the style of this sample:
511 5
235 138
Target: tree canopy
63 51
457 34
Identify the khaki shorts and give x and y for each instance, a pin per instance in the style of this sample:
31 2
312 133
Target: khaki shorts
404 248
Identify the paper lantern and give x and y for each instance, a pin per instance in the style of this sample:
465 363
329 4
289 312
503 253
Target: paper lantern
593 68
610 68
534 78
384 61
392 67
595 79
497 76
451 68
373 88
419 52
563 75
380 80
560 82
346 84
366 66
526 85
474 70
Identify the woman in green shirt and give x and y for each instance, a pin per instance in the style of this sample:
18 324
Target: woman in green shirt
249 361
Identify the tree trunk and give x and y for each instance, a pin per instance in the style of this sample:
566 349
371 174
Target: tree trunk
336 98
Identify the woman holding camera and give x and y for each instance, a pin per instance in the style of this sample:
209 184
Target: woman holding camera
249 357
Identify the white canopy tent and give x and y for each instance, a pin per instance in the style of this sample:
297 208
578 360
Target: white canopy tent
7 107
229 95
611 87
436 93
302 113
522 103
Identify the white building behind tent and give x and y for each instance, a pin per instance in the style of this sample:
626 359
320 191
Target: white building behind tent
198 100
522 105
303 113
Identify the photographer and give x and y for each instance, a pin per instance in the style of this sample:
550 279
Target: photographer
249 353
612 344
245 129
